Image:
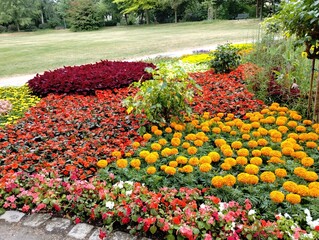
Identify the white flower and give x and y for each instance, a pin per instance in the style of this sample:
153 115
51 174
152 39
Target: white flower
251 212
119 184
128 193
287 216
109 204
129 182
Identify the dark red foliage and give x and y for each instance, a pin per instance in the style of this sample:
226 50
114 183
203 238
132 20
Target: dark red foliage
224 93
85 79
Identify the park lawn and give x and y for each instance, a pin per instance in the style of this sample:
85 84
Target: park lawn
36 52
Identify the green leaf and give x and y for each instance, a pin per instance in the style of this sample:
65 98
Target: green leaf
153 229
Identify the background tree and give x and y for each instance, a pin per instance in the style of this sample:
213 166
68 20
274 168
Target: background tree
174 4
301 19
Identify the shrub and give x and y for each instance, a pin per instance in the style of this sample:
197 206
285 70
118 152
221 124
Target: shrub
12 28
85 79
3 29
226 58
110 23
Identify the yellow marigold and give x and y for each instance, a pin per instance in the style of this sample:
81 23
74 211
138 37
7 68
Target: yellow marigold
230 123
168 130
179 127
287 151
135 163
290 186
192 150
117 154
144 153
201 136
293 135
241 161
195 122
277 196
243 152
231 161
198 143
252 179
187 169
151 170
281 121
170 170
156 146
230 115
266 151
311 144
307 161
229 180
283 129
147 136
206 115
245 128
313 185
252 144
256 161
186 145
166 152
220 115
268 177
311 176
264 111
163 167
158 132
194 161
287 143
177 135
102 163
225 166
242 177
301 128
173 164
270 119
263 131
205 128
136 145
256 153
275 134
307 122
236 145
224 147
219 142
302 190
121 163
275 153
314 192
228 152
162 141
151 158
262 142
275 160
214 156
292 124
216 130
281 172
218 181
293 198
300 171
255 124
256 134
175 142
245 136
181 160
238 122
251 169
190 137
233 133
174 151
205 167
205 159
226 129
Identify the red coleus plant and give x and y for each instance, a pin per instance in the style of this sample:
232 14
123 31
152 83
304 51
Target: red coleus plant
85 79
224 93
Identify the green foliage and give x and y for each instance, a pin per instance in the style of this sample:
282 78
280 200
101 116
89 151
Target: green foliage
226 58
84 15
167 96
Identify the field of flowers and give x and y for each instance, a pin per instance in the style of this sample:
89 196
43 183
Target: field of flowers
236 169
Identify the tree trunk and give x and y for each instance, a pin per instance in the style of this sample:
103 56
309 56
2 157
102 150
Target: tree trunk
42 17
18 26
147 16
125 15
261 9
175 10
316 107
311 86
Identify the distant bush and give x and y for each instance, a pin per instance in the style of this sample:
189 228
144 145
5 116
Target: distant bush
12 28
44 26
85 79
3 29
110 23
225 59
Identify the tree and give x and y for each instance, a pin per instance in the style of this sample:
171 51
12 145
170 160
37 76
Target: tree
18 12
174 4
301 18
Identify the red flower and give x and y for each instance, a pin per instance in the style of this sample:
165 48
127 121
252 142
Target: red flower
177 220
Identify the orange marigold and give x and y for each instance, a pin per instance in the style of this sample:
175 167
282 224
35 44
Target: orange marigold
187 169
205 167
225 166
241 160
214 156
147 136
181 160
173 164
307 161
192 150
121 163
175 142
135 163
277 196
236 145
218 181
151 170
243 152
268 177
162 141
290 186
231 161
229 180
156 146
293 198
256 161
170 170
251 169
281 172
194 161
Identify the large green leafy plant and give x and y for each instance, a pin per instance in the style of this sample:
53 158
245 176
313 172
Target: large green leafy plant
167 96
226 58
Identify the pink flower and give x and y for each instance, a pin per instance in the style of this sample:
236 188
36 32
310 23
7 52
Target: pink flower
11 199
25 208
186 231
102 235
40 207
77 220
208 237
247 204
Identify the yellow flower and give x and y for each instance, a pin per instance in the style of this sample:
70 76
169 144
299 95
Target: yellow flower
256 134
245 136
117 154
293 198
241 160
162 141
194 161
147 136
192 150
205 167
233 133
256 161
175 142
292 124
300 171
236 145
311 144
313 185
263 131
277 196
220 115
214 156
177 135
187 169
266 151
151 170
231 161
151 158
186 145
216 130
251 169
144 153
243 152
136 145
135 163
218 181
275 160
301 128
173 164
256 153
283 129
293 135
163 167
303 190
198 143
205 159
255 124
205 128
311 176
268 177
252 144
201 136
225 166
281 172
228 152
307 161
156 146
168 130
242 177
121 163
179 127
287 151
262 142
252 179
229 180
190 137
290 186
181 160
102 163
174 151
170 170
281 121
158 132
219 142
165 152
314 192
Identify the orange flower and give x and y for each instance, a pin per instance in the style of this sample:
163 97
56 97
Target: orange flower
225 166
256 161
205 159
173 164
156 146
102 163
181 160
158 132
136 145
198 143
229 180
175 142
293 198
231 161
205 167
307 161
241 160
268 177
277 196
192 150
251 169
194 161
151 170
187 169
186 145
281 172
135 163
121 163
147 136
290 186
214 156
170 170
218 181
243 152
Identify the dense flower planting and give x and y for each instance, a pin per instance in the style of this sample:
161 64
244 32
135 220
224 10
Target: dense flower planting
85 79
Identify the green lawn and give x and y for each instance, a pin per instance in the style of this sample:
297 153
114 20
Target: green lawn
33 52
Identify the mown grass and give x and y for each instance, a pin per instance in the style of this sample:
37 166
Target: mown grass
35 52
